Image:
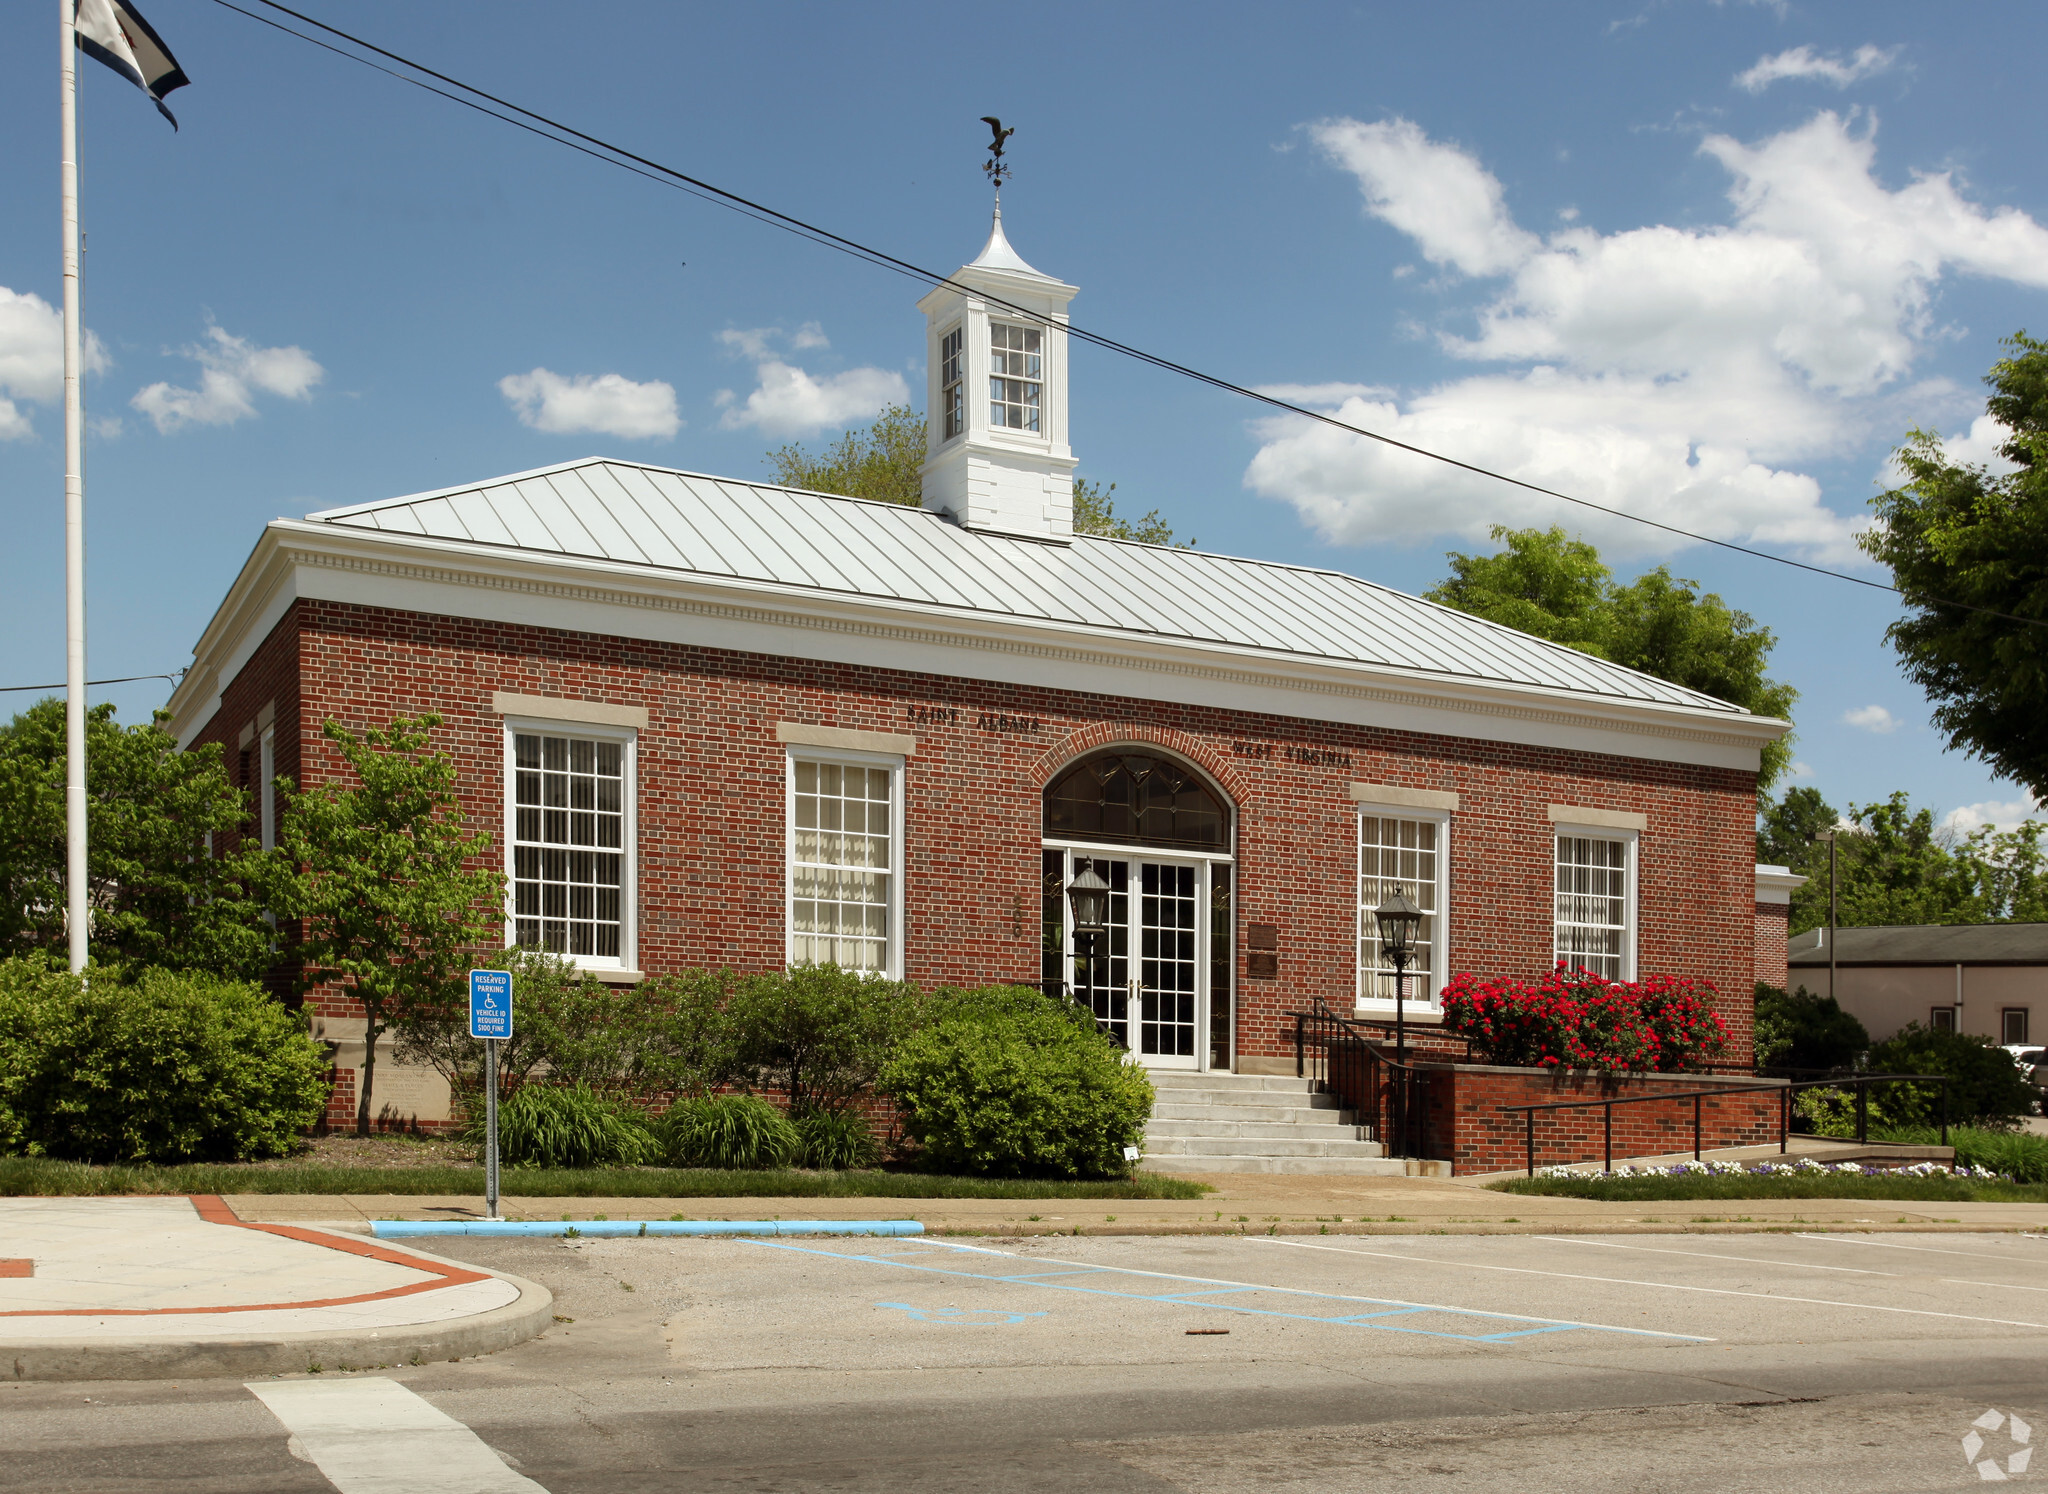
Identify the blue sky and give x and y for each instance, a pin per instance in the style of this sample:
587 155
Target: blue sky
1703 262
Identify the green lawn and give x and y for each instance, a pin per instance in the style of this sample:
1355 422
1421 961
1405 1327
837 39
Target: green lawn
1648 1189
40 1177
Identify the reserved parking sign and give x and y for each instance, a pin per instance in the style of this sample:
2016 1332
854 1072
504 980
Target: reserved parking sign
490 1003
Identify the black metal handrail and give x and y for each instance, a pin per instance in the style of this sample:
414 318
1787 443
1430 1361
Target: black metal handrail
1383 1092
1859 1082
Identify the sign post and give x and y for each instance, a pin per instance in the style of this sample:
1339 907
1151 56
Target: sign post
490 1018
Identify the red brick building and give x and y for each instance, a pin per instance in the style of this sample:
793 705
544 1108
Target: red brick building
714 722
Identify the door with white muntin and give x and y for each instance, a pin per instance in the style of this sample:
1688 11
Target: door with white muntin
1157 974
1145 975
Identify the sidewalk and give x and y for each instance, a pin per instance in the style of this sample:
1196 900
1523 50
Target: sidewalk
162 1288
1243 1203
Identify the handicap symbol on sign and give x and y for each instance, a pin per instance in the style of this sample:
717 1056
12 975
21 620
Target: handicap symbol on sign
972 1316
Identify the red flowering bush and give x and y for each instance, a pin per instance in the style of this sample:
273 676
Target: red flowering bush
1575 1019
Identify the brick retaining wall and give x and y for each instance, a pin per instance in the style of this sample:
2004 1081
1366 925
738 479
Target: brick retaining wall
1468 1126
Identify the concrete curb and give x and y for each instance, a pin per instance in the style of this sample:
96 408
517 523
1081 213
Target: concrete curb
282 1353
615 1229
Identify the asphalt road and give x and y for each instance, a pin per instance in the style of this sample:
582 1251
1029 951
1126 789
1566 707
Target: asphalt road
1684 1362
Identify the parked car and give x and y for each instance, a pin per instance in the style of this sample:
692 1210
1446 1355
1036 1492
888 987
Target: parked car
2033 1064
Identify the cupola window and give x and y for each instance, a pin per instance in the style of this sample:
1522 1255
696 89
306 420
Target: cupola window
1015 372
953 389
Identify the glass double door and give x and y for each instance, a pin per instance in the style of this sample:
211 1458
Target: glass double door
1145 975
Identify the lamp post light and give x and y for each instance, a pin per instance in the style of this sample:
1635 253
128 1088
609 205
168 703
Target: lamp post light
1089 895
1399 920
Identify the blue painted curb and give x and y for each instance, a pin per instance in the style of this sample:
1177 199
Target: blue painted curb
403 1229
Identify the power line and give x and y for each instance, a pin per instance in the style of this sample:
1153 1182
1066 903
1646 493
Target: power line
126 679
643 166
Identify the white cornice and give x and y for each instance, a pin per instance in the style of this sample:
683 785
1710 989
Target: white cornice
298 558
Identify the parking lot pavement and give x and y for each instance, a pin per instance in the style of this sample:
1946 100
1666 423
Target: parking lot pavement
1781 1362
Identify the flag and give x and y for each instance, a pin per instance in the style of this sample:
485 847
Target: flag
113 32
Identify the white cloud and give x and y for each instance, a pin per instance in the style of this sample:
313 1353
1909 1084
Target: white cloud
232 371
32 358
1800 769
1683 374
788 401
1873 718
1436 194
1867 61
1992 814
605 404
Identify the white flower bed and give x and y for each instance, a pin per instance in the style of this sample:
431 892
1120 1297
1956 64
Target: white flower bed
1805 1167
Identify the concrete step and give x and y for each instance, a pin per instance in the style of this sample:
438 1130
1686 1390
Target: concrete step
1308 1115
1231 1098
1355 1167
1287 1130
1217 1079
1249 1146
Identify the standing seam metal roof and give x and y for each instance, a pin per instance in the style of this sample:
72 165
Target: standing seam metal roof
632 514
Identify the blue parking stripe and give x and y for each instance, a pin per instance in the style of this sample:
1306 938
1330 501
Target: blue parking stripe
1210 1288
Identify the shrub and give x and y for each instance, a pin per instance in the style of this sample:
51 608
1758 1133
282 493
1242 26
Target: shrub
742 1132
1016 1086
1985 1084
836 1141
1575 1019
818 1033
541 1125
151 1066
1805 1031
567 1025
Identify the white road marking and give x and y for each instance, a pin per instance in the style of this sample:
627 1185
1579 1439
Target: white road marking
1419 1260
1996 1286
1754 1260
1219 1281
1975 1255
373 1436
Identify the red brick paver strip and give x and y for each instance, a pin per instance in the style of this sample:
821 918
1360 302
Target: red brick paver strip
17 1268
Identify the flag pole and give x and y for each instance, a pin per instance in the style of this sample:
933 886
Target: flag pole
77 903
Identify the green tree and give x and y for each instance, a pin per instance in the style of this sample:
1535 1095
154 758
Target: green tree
1894 866
1957 532
1546 583
885 462
375 878
167 870
1095 513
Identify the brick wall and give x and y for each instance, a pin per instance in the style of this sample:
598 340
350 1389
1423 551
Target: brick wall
711 800
1772 920
1467 1124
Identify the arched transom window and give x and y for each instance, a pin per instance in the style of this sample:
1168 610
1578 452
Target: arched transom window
1136 798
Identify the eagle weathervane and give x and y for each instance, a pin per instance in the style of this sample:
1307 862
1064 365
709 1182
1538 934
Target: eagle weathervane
997 168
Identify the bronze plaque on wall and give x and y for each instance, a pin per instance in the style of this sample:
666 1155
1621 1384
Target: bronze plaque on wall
1262 964
1261 936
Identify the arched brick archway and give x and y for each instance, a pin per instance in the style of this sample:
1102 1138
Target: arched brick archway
1191 750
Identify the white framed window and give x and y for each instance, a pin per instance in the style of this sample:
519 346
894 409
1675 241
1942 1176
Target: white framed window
266 795
1595 909
1015 371
952 386
1409 849
571 840
845 860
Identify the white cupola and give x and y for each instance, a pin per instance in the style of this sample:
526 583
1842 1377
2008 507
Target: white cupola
996 340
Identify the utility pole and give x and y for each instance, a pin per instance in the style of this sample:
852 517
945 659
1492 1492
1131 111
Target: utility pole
1829 836
77 901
